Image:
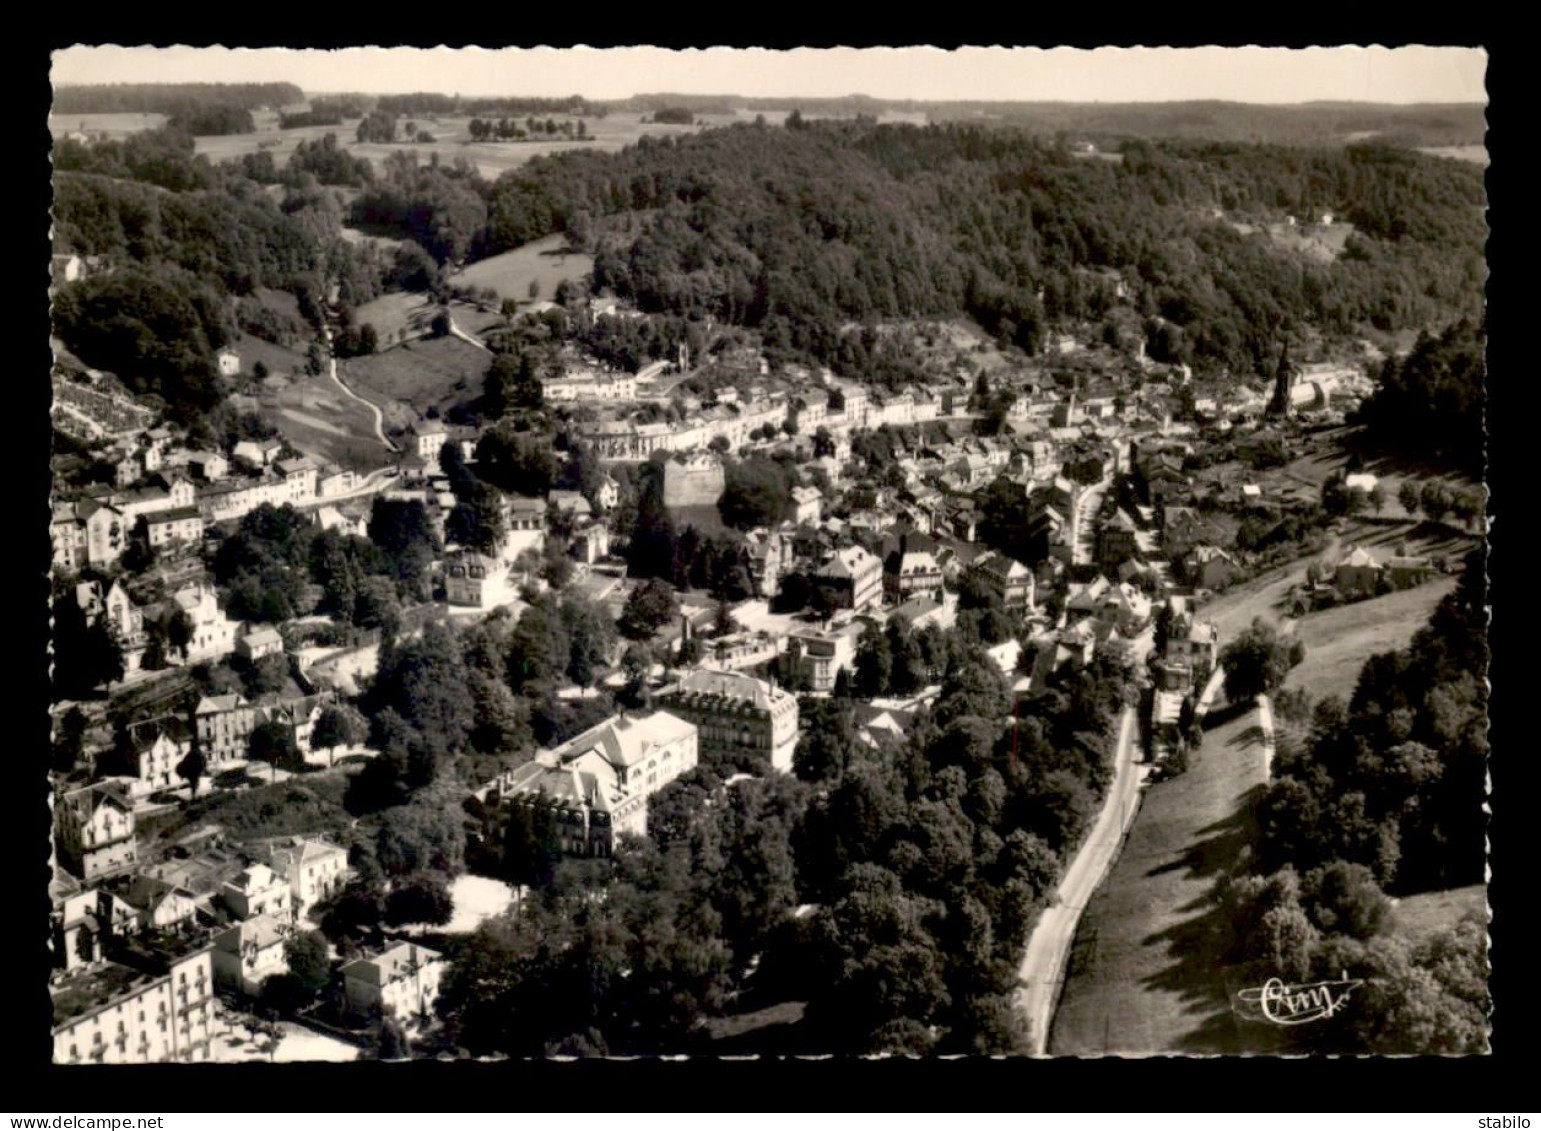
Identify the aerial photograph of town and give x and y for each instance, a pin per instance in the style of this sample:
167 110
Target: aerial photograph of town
980 553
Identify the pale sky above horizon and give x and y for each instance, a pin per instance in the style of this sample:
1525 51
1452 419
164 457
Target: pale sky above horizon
1108 74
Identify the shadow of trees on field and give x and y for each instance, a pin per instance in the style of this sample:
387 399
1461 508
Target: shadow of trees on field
1200 945
1226 712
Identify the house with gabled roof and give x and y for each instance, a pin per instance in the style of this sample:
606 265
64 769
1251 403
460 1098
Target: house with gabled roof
401 981
94 830
250 952
315 870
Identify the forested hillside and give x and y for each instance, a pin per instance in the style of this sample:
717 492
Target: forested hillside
796 231
802 234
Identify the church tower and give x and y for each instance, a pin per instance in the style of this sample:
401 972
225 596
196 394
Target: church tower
1284 377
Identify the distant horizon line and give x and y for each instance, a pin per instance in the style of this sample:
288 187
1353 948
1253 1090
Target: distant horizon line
794 97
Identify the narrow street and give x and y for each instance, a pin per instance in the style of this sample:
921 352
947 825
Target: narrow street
1083 530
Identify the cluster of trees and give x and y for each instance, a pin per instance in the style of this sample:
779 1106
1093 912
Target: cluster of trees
628 344
441 207
1393 779
278 565
377 126
506 129
899 660
659 548
245 242
1437 500
1425 996
316 116
156 326
758 491
329 163
212 121
433 104
1258 660
1431 403
85 656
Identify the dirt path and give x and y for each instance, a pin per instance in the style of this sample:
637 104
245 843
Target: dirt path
374 410
1144 972
463 336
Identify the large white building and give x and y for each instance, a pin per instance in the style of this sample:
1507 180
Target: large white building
122 1014
737 715
599 782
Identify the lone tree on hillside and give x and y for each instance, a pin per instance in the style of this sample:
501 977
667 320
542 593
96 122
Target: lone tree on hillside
1257 661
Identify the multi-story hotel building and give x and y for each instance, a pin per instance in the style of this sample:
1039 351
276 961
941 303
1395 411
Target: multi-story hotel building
736 714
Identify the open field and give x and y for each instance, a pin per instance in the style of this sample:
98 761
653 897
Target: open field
545 262
317 418
452 140
115 126
1419 916
436 372
397 315
279 360
1145 974
1339 640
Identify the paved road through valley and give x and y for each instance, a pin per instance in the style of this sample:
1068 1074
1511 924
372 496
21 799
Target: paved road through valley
1043 965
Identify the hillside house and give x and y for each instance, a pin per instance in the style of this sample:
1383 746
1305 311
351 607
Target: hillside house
402 982
94 830
249 953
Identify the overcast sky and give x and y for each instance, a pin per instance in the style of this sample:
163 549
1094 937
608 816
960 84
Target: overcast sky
1242 74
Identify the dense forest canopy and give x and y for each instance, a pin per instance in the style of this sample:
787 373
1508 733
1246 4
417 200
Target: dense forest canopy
798 231
1431 403
171 98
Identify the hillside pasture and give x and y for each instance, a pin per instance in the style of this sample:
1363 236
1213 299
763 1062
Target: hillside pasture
397 315
320 420
430 373
545 262
280 361
1418 916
